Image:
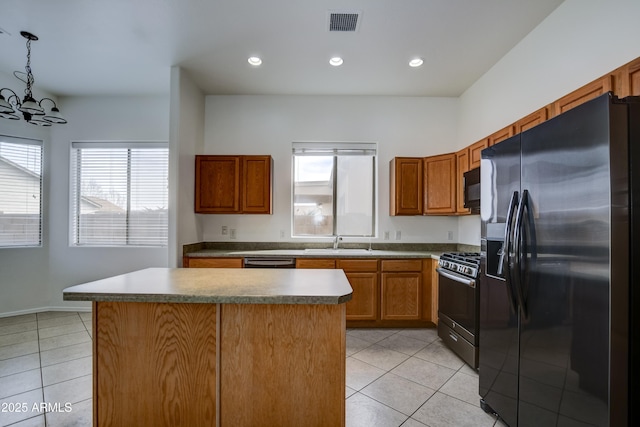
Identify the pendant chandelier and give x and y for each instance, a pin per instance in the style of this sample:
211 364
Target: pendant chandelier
32 110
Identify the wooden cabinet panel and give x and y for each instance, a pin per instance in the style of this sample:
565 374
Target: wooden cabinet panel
440 184
212 262
462 166
315 263
584 94
357 264
405 186
401 265
233 184
364 301
430 290
500 135
475 153
256 185
401 296
154 364
217 184
532 120
280 365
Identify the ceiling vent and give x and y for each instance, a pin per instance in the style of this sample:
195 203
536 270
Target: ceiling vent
344 21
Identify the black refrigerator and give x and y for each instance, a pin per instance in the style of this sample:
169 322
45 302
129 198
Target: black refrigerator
559 216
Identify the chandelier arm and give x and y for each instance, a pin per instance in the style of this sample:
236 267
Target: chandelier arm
31 109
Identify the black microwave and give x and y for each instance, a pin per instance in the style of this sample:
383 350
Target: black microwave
472 190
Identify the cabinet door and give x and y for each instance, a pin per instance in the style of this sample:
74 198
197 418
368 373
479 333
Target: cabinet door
256 184
401 296
532 120
475 153
628 79
405 186
440 184
364 301
500 135
584 94
315 263
462 166
217 184
213 262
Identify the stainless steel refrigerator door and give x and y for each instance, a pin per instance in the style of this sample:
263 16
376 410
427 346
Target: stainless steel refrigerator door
565 268
498 340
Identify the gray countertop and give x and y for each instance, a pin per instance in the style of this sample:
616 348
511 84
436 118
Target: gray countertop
218 285
313 253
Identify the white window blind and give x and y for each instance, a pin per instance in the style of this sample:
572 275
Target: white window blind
120 193
20 192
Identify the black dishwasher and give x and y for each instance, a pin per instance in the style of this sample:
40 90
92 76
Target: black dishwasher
269 262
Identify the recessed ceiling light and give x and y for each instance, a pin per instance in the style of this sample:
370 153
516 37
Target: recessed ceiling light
336 61
254 60
416 62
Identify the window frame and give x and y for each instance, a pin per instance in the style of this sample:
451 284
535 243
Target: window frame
27 141
75 194
335 149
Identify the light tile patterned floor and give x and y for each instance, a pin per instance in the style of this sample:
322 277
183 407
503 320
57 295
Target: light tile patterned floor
395 377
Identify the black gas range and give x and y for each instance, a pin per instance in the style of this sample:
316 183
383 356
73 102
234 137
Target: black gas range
458 303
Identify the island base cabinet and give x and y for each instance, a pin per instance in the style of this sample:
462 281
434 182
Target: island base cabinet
303 384
154 364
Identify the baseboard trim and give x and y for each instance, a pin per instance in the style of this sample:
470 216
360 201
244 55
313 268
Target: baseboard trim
43 309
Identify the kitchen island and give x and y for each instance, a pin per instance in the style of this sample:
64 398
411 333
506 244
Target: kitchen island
226 347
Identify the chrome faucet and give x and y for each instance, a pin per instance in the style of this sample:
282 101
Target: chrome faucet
336 242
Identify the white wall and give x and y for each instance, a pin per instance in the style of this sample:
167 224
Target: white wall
579 42
402 126
187 140
33 279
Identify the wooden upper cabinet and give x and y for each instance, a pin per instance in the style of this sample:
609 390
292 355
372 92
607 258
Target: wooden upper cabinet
584 94
233 184
532 120
628 79
501 135
440 184
462 166
256 186
405 186
475 153
217 184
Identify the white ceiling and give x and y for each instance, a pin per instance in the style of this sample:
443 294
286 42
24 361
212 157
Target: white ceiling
93 47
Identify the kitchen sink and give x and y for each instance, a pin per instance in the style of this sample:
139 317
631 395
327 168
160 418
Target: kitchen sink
336 251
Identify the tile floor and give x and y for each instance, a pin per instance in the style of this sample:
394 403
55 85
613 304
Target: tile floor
395 377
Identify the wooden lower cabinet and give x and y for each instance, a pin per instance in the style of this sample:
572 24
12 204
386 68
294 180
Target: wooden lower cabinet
188 262
401 296
386 292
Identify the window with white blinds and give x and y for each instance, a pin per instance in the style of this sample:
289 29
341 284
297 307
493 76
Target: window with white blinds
120 193
20 192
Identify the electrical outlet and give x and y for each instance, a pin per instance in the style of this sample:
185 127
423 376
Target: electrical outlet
225 230
232 234
449 235
282 234
386 235
398 234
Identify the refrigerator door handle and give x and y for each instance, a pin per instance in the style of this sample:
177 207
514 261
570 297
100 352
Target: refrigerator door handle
506 251
519 251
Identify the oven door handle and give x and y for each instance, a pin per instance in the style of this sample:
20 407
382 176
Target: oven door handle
457 277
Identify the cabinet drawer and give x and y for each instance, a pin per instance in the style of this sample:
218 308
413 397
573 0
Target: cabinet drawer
315 263
401 265
215 263
358 264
